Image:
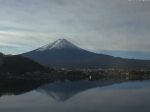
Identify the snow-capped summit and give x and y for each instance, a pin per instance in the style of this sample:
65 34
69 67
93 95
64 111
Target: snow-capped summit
58 44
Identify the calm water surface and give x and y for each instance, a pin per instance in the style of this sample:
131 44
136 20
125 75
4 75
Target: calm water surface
81 96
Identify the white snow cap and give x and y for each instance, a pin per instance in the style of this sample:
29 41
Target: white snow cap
58 44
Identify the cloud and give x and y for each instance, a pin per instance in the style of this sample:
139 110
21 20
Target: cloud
92 24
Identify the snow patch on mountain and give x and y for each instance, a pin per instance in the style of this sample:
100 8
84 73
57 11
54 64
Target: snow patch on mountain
58 44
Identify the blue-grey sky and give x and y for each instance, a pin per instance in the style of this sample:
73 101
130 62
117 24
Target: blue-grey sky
114 25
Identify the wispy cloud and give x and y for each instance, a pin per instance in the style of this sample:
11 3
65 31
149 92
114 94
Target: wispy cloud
92 24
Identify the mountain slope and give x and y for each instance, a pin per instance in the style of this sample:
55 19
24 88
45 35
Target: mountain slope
18 65
64 54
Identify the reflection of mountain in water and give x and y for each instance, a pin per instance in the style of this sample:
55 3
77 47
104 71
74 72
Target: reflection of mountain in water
62 91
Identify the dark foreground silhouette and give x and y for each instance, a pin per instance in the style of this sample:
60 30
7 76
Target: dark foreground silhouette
21 68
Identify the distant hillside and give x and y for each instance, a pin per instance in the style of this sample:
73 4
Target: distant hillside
1 58
64 54
128 54
18 64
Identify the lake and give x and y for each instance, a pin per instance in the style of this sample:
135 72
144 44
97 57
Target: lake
79 96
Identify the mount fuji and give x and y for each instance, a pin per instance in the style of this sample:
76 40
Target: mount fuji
64 54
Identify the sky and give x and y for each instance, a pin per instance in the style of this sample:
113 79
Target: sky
96 25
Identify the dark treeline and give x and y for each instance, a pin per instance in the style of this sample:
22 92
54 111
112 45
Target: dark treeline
21 68
102 74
